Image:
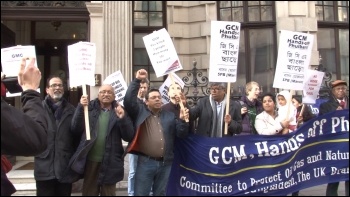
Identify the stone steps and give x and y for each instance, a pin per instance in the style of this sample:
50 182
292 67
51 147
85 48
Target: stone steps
24 181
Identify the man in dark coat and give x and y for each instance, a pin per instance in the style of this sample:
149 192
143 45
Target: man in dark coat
156 130
211 113
100 160
23 132
337 101
51 164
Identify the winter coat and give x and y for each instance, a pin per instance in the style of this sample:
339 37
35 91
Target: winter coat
172 126
62 144
23 132
112 165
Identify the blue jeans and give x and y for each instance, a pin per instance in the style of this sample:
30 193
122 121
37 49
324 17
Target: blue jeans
132 170
150 171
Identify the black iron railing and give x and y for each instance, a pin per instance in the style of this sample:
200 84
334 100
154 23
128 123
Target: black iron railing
196 85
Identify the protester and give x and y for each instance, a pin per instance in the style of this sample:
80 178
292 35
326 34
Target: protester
156 130
286 110
211 110
100 160
306 113
144 84
303 115
251 107
176 96
23 132
266 122
337 101
51 164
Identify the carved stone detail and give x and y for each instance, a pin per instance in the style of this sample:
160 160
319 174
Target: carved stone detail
76 4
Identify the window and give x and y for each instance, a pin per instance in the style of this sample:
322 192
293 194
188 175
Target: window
257 49
148 16
333 37
332 11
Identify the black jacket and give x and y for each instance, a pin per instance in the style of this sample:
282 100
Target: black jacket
112 165
204 112
172 126
331 105
62 144
23 132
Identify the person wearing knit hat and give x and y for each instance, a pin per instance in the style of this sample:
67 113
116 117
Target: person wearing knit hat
337 101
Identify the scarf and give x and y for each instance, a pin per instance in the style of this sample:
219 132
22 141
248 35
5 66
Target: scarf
216 130
56 108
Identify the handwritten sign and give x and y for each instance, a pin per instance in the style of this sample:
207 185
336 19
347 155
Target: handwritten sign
293 60
224 48
11 58
312 86
162 53
116 80
164 88
82 60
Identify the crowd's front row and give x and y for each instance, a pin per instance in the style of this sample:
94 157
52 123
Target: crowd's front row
151 128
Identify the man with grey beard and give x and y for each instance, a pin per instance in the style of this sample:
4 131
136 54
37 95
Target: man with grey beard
51 165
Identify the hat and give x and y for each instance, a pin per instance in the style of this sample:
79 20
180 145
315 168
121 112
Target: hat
338 82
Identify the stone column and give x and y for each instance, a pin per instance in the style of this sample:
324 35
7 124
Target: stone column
117 27
96 36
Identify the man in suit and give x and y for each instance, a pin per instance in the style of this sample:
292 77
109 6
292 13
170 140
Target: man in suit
210 112
338 101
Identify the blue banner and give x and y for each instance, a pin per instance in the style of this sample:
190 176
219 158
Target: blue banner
259 165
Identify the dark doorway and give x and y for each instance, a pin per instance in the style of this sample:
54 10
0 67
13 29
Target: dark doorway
51 26
51 41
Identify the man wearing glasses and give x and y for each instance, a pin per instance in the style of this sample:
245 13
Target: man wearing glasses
100 160
210 112
338 101
51 164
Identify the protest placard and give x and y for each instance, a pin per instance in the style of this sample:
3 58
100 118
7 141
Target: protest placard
11 58
224 48
162 53
293 59
116 80
312 85
165 86
81 61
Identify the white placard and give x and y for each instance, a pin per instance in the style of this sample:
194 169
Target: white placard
162 53
116 80
224 49
165 87
11 58
312 86
81 61
293 60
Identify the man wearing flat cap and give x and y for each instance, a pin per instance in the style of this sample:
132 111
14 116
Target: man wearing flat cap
337 101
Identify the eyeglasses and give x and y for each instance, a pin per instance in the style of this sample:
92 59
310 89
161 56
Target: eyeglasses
56 86
216 89
106 92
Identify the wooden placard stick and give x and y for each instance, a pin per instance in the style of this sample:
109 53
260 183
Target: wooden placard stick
180 103
86 116
227 105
